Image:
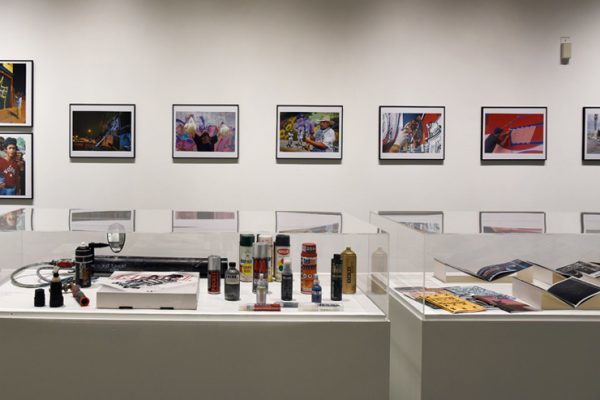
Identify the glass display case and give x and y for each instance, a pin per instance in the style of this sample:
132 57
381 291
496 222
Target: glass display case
153 236
474 299
181 329
513 256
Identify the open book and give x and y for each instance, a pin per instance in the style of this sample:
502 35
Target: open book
580 268
488 273
140 289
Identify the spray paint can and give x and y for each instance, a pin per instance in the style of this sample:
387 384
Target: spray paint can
261 290
308 267
336 278
246 242
84 257
287 281
260 265
270 268
348 271
214 274
282 251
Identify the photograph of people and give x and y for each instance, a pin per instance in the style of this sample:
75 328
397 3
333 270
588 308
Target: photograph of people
309 132
205 131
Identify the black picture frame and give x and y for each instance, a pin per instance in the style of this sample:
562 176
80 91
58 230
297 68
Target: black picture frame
338 219
29 163
102 107
515 230
513 156
424 214
412 156
114 213
585 156
201 154
338 156
583 216
29 104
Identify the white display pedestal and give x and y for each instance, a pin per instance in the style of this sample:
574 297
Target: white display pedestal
215 352
475 358
125 359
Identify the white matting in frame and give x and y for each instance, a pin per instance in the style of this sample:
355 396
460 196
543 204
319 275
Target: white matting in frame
512 222
513 133
16 93
16 166
102 130
591 133
206 131
302 132
411 133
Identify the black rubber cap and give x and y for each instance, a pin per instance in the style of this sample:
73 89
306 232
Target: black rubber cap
40 298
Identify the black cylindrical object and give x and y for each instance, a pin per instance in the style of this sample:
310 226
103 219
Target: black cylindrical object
84 257
56 296
336 278
287 281
39 299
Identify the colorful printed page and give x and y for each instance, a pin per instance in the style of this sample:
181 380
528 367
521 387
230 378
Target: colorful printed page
453 304
506 304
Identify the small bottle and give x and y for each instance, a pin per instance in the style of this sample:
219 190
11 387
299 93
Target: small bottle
260 262
281 252
348 271
232 283
316 291
308 267
336 278
268 239
214 274
246 242
287 281
56 296
261 290
378 268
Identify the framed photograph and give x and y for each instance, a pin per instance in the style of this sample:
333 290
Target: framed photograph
424 221
590 222
512 222
513 133
17 220
591 133
309 132
206 131
308 222
411 133
102 130
16 165
205 221
100 220
16 93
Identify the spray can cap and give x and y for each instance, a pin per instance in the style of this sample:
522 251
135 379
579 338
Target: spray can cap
282 240
336 259
214 263
261 250
246 239
316 280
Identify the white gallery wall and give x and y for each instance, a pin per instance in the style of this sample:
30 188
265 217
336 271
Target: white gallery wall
359 54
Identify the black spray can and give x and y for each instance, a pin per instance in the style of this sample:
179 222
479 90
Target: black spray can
232 283
336 278
287 281
84 257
